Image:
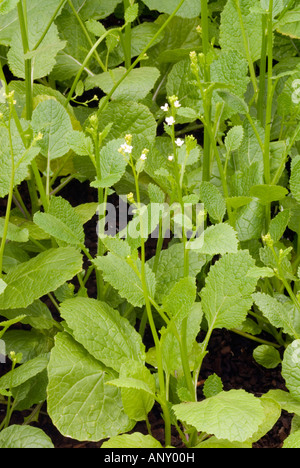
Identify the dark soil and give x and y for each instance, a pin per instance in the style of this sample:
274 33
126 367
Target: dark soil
230 357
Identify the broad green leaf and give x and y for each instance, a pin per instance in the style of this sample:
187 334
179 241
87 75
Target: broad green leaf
238 202
128 118
7 5
279 314
295 178
234 138
61 222
289 24
137 389
119 273
30 343
231 35
171 352
213 385
38 15
250 157
278 6
79 403
279 224
135 87
286 400
171 268
43 58
39 276
70 59
24 437
131 383
86 211
235 415
182 296
14 233
97 10
26 371
112 164
268 193
226 297
231 68
213 201
22 158
129 441
137 402
3 286
37 315
80 143
106 335
250 221
213 442
52 120
190 9
267 356
272 412
217 239
291 368
292 441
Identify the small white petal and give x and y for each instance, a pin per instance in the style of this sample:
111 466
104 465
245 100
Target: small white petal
170 120
165 108
177 104
179 142
171 158
143 157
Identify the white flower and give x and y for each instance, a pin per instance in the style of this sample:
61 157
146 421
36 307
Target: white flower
170 121
179 142
171 158
165 108
126 148
177 104
143 157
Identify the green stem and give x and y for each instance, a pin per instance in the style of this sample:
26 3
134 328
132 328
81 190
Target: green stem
222 174
205 45
127 39
268 125
28 62
270 95
262 76
160 369
86 33
255 338
247 49
83 66
10 198
61 4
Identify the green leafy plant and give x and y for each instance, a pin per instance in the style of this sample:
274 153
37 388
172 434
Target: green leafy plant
188 112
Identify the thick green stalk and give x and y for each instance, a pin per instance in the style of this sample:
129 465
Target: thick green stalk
247 50
262 75
10 198
160 370
28 62
61 4
205 46
86 33
268 124
270 95
127 38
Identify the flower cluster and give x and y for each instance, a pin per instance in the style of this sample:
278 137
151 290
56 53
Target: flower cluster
173 106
